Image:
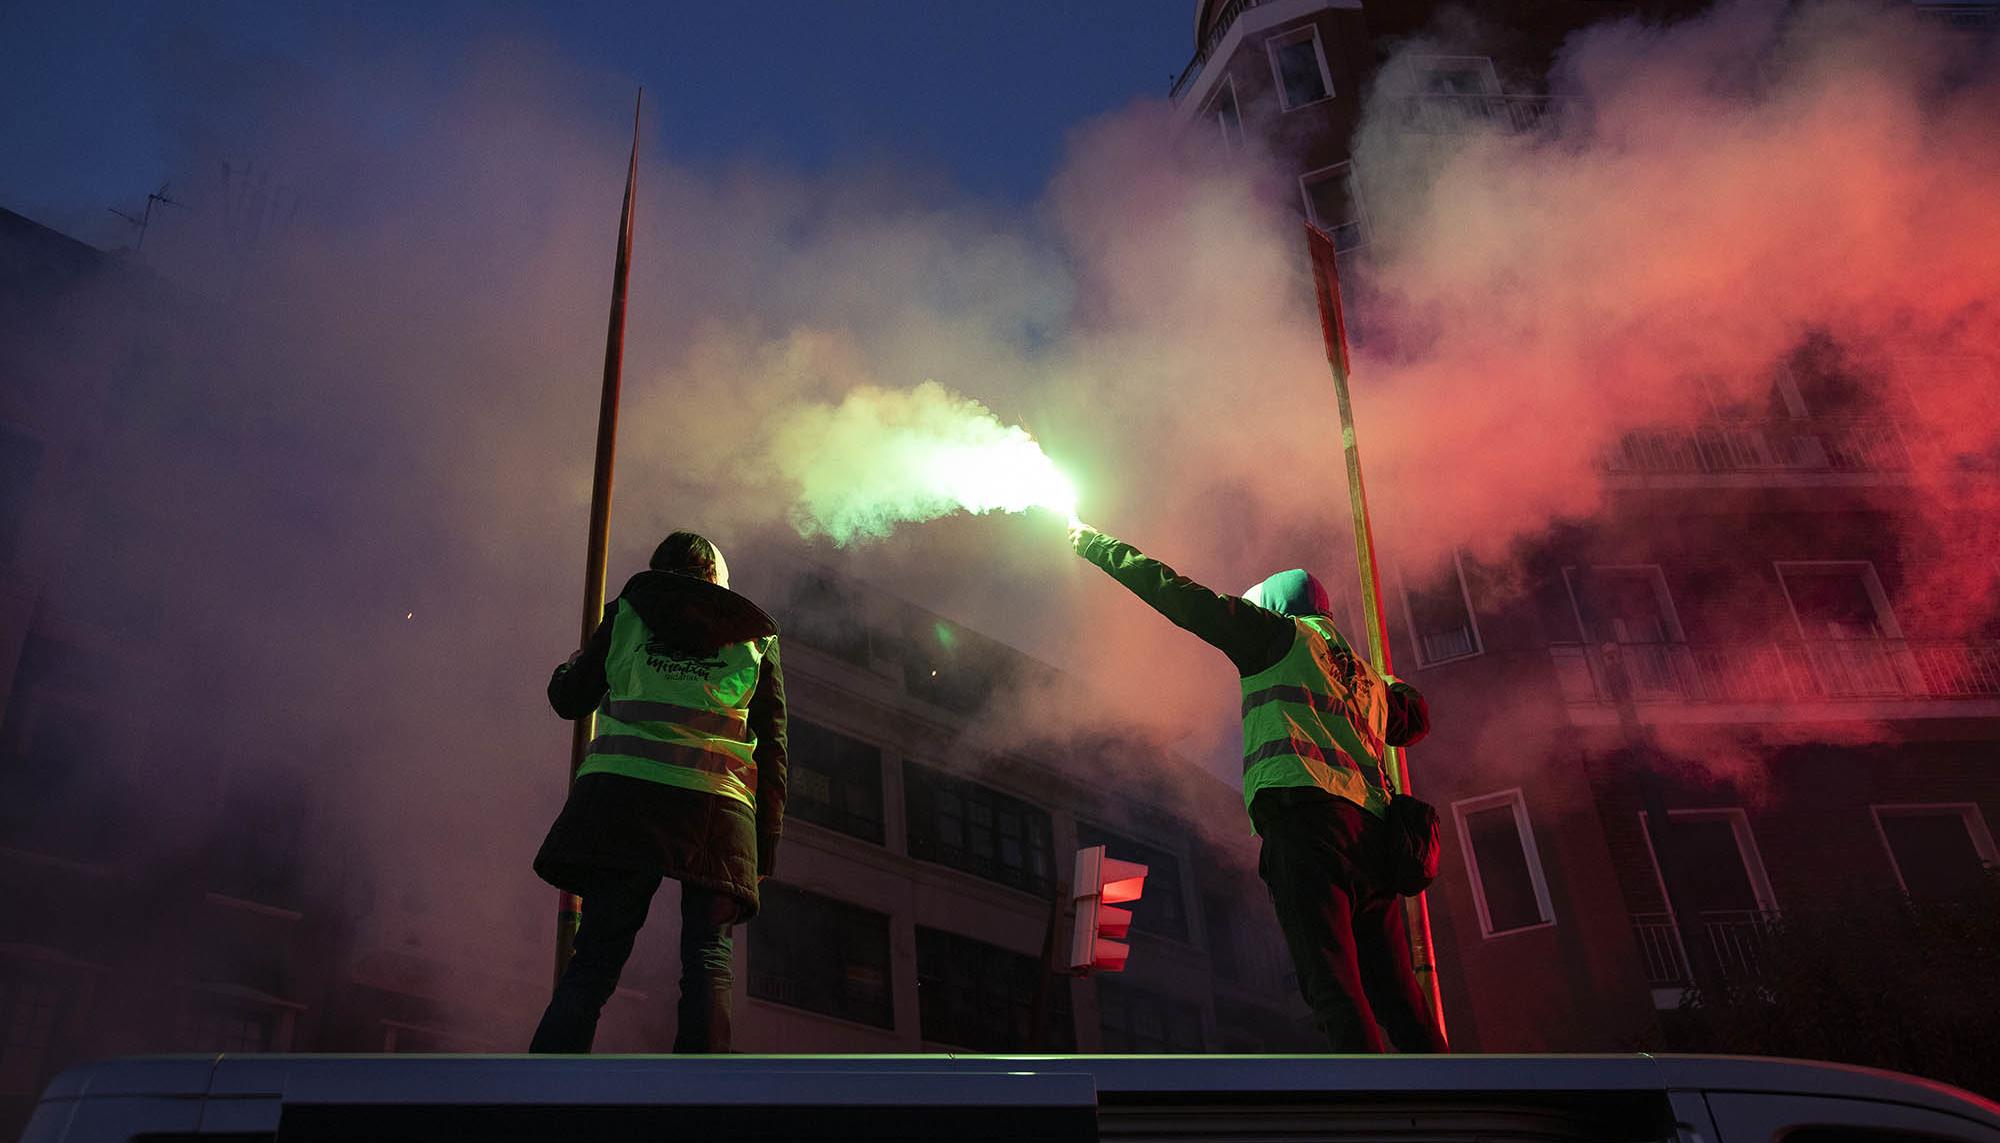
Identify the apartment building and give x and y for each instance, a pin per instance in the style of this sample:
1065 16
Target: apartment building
1729 655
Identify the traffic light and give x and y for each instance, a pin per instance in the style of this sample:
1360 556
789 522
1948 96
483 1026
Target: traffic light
1102 884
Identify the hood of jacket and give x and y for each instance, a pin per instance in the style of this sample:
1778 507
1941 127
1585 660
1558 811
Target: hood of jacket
1297 593
694 615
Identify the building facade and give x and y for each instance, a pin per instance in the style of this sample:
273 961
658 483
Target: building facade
1722 705
166 889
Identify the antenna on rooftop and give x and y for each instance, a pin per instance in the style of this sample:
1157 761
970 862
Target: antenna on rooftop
159 197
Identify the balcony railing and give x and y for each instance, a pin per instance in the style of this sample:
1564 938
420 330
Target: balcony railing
1736 938
1457 114
1217 28
1873 445
1831 671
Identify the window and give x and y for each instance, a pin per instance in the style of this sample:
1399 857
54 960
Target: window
1631 606
834 781
1440 616
822 955
1451 75
1717 860
47 802
980 996
1624 604
1228 118
1219 917
954 668
1132 1019
229 1020
1503 864
1299 66
825 615
400 1037
1332 204
260 857
30 1009
979 830
1844 618
1939 852
1161 910
20 459
1838 600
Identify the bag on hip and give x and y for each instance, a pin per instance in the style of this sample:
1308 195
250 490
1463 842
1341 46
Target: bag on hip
1413 844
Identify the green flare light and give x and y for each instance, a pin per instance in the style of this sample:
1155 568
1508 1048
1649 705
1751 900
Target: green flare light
885 457
1011 474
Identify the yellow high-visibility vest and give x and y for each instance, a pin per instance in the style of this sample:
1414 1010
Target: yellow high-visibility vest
677 718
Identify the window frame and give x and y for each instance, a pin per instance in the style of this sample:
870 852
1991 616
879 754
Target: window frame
889 937
880 835
1166 1001
1360 209
1285 39
36 477
1212 108
1538 878
1969 813
1471 617
1746 849
1871 582
1061 1004
1417 66
960 786
1661 592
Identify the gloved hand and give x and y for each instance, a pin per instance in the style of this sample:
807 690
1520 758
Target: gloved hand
1080 533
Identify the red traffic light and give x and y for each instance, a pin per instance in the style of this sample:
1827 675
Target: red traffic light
1102 883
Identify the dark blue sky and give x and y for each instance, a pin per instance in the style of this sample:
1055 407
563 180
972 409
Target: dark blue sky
983 90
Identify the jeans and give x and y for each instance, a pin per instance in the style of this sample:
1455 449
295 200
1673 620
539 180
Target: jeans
614 909
1323 860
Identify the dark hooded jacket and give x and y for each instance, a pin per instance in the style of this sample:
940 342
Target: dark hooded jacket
612 822
1254 629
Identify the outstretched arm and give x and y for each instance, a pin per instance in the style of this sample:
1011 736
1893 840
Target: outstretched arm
1254 638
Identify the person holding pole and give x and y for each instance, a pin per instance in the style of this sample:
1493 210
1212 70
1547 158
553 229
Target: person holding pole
1316 719
684 779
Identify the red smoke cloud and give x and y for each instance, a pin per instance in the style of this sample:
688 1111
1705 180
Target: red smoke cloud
1712 194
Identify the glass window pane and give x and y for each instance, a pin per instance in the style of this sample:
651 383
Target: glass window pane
790 962
834 781
1935 854
1712 864
974 842
974 995
1298 71
1508 886
20 459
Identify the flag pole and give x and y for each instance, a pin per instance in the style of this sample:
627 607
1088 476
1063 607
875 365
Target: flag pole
569 907
1333 325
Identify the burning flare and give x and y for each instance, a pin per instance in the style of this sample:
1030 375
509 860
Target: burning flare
884 457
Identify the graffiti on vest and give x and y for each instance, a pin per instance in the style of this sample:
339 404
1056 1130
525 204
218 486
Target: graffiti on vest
678 664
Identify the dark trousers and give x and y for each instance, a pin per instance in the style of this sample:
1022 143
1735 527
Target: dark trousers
1323 861
614 909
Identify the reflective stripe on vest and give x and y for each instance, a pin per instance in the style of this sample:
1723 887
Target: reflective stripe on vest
1316 718
730 724
677 718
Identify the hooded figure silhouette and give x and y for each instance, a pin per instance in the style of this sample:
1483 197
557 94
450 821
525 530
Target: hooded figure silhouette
1316 718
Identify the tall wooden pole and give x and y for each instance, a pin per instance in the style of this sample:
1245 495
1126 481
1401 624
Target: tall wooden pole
569 907
1333 324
